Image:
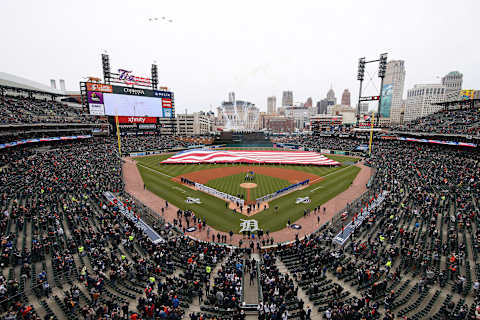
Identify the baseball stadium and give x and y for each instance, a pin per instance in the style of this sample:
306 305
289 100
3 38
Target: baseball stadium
117 205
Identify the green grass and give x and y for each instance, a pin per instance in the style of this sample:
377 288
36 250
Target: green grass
157 176
265 185
174 170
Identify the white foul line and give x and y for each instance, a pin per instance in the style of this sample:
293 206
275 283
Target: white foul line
334 172
316 188
163 174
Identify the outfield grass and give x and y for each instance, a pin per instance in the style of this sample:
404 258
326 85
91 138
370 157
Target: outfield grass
265 185
157 178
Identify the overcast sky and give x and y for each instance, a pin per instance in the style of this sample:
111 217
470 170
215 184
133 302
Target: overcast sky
254 48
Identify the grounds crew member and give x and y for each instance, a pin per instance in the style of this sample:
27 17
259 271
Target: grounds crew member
208 269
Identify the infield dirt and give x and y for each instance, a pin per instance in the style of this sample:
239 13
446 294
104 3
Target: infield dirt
293 176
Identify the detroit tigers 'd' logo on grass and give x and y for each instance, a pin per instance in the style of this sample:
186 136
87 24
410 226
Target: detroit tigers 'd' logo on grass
249 225
193 200
302 200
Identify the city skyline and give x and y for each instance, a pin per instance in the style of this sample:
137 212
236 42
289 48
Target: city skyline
53 30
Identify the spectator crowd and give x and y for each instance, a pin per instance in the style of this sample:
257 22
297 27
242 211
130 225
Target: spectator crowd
67 252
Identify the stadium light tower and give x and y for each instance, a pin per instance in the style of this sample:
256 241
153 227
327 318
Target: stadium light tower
382 68
106 67
360 77
154 76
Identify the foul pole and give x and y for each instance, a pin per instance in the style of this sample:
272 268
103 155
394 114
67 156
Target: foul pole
118 136
372 119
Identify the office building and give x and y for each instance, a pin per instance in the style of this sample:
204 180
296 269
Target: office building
231 97
197 123
363 108
332 100
300 115
241 115
277 124
322 106
453 84
309 103
271 105
346 97
392 92
287 99
421 99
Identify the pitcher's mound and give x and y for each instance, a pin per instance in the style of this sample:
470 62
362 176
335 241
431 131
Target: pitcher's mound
248 185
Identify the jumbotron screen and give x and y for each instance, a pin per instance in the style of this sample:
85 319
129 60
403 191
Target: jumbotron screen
111 100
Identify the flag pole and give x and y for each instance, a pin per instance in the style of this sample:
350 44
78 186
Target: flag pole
371 134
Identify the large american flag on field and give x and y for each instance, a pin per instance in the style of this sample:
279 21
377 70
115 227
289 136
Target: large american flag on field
249 156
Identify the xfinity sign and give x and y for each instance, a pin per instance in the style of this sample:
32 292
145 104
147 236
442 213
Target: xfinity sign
133 119
136 120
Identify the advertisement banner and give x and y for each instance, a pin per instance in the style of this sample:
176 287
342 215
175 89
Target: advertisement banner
324 151
166 103
128 126
106 88
35 140
163 94
147 126
451 143
362 147
128 119
134 91
141 92
136 154
386 103
167 113
467 94
99 87
95 97
130 91
96 109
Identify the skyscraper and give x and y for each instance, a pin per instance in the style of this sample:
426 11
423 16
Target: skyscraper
453 84
309 103
231 97
271 105
332 100
322 106
392 91
287 99
346 97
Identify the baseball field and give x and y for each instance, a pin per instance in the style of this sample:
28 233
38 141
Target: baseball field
325 183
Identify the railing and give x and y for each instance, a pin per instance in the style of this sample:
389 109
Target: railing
259 282
243 282
342 237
